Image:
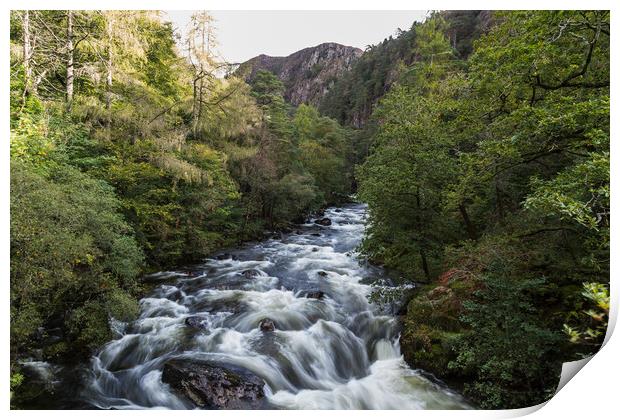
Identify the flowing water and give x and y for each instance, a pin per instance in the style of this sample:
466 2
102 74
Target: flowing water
338 352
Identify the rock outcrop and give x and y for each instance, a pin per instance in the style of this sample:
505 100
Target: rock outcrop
307 74
215 385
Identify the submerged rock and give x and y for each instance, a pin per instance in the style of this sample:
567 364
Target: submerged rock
322 273
313 294
325 221
267 325
215 385
250 273
315 234
195 322
224 256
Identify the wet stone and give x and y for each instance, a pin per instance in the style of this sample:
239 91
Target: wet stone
195 322
224 256
325 221
267 325
250 273
313 294
215 385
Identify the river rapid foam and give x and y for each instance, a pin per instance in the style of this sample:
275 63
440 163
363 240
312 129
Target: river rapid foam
337 352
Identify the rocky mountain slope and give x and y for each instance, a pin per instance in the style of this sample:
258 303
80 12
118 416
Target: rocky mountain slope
346 83
307 74
353 97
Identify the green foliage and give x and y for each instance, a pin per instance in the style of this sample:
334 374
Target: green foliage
594 324
491 174
155 162
406 180
354 96
70 247
299 165
509 351
16 380
323 148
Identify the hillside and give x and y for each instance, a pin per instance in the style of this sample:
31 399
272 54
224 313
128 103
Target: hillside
354 95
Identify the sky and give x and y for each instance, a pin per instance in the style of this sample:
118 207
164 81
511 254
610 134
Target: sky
245 34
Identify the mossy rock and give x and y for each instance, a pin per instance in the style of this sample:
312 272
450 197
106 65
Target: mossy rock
430 328
438 307
429 349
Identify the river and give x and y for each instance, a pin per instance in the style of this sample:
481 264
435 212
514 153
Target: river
333 352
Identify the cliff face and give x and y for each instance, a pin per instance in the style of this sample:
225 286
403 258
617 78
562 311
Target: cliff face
307 74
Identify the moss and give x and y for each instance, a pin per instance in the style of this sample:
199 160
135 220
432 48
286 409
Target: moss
429 349
432 326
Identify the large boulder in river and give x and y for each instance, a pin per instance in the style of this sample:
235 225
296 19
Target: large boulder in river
215 385
325 221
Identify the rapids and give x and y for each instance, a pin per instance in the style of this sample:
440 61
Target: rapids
338 352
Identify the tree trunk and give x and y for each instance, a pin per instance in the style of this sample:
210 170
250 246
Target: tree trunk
108 80
200 94
69 59
27 53
500 202
425 265
418 220
195 106
471 229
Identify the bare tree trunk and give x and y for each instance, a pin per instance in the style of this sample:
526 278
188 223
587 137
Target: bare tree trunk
69 59
26 61
202 73
108 80
200 95
195 107
27 53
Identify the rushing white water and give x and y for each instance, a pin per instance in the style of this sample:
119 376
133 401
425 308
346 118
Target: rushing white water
337 352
